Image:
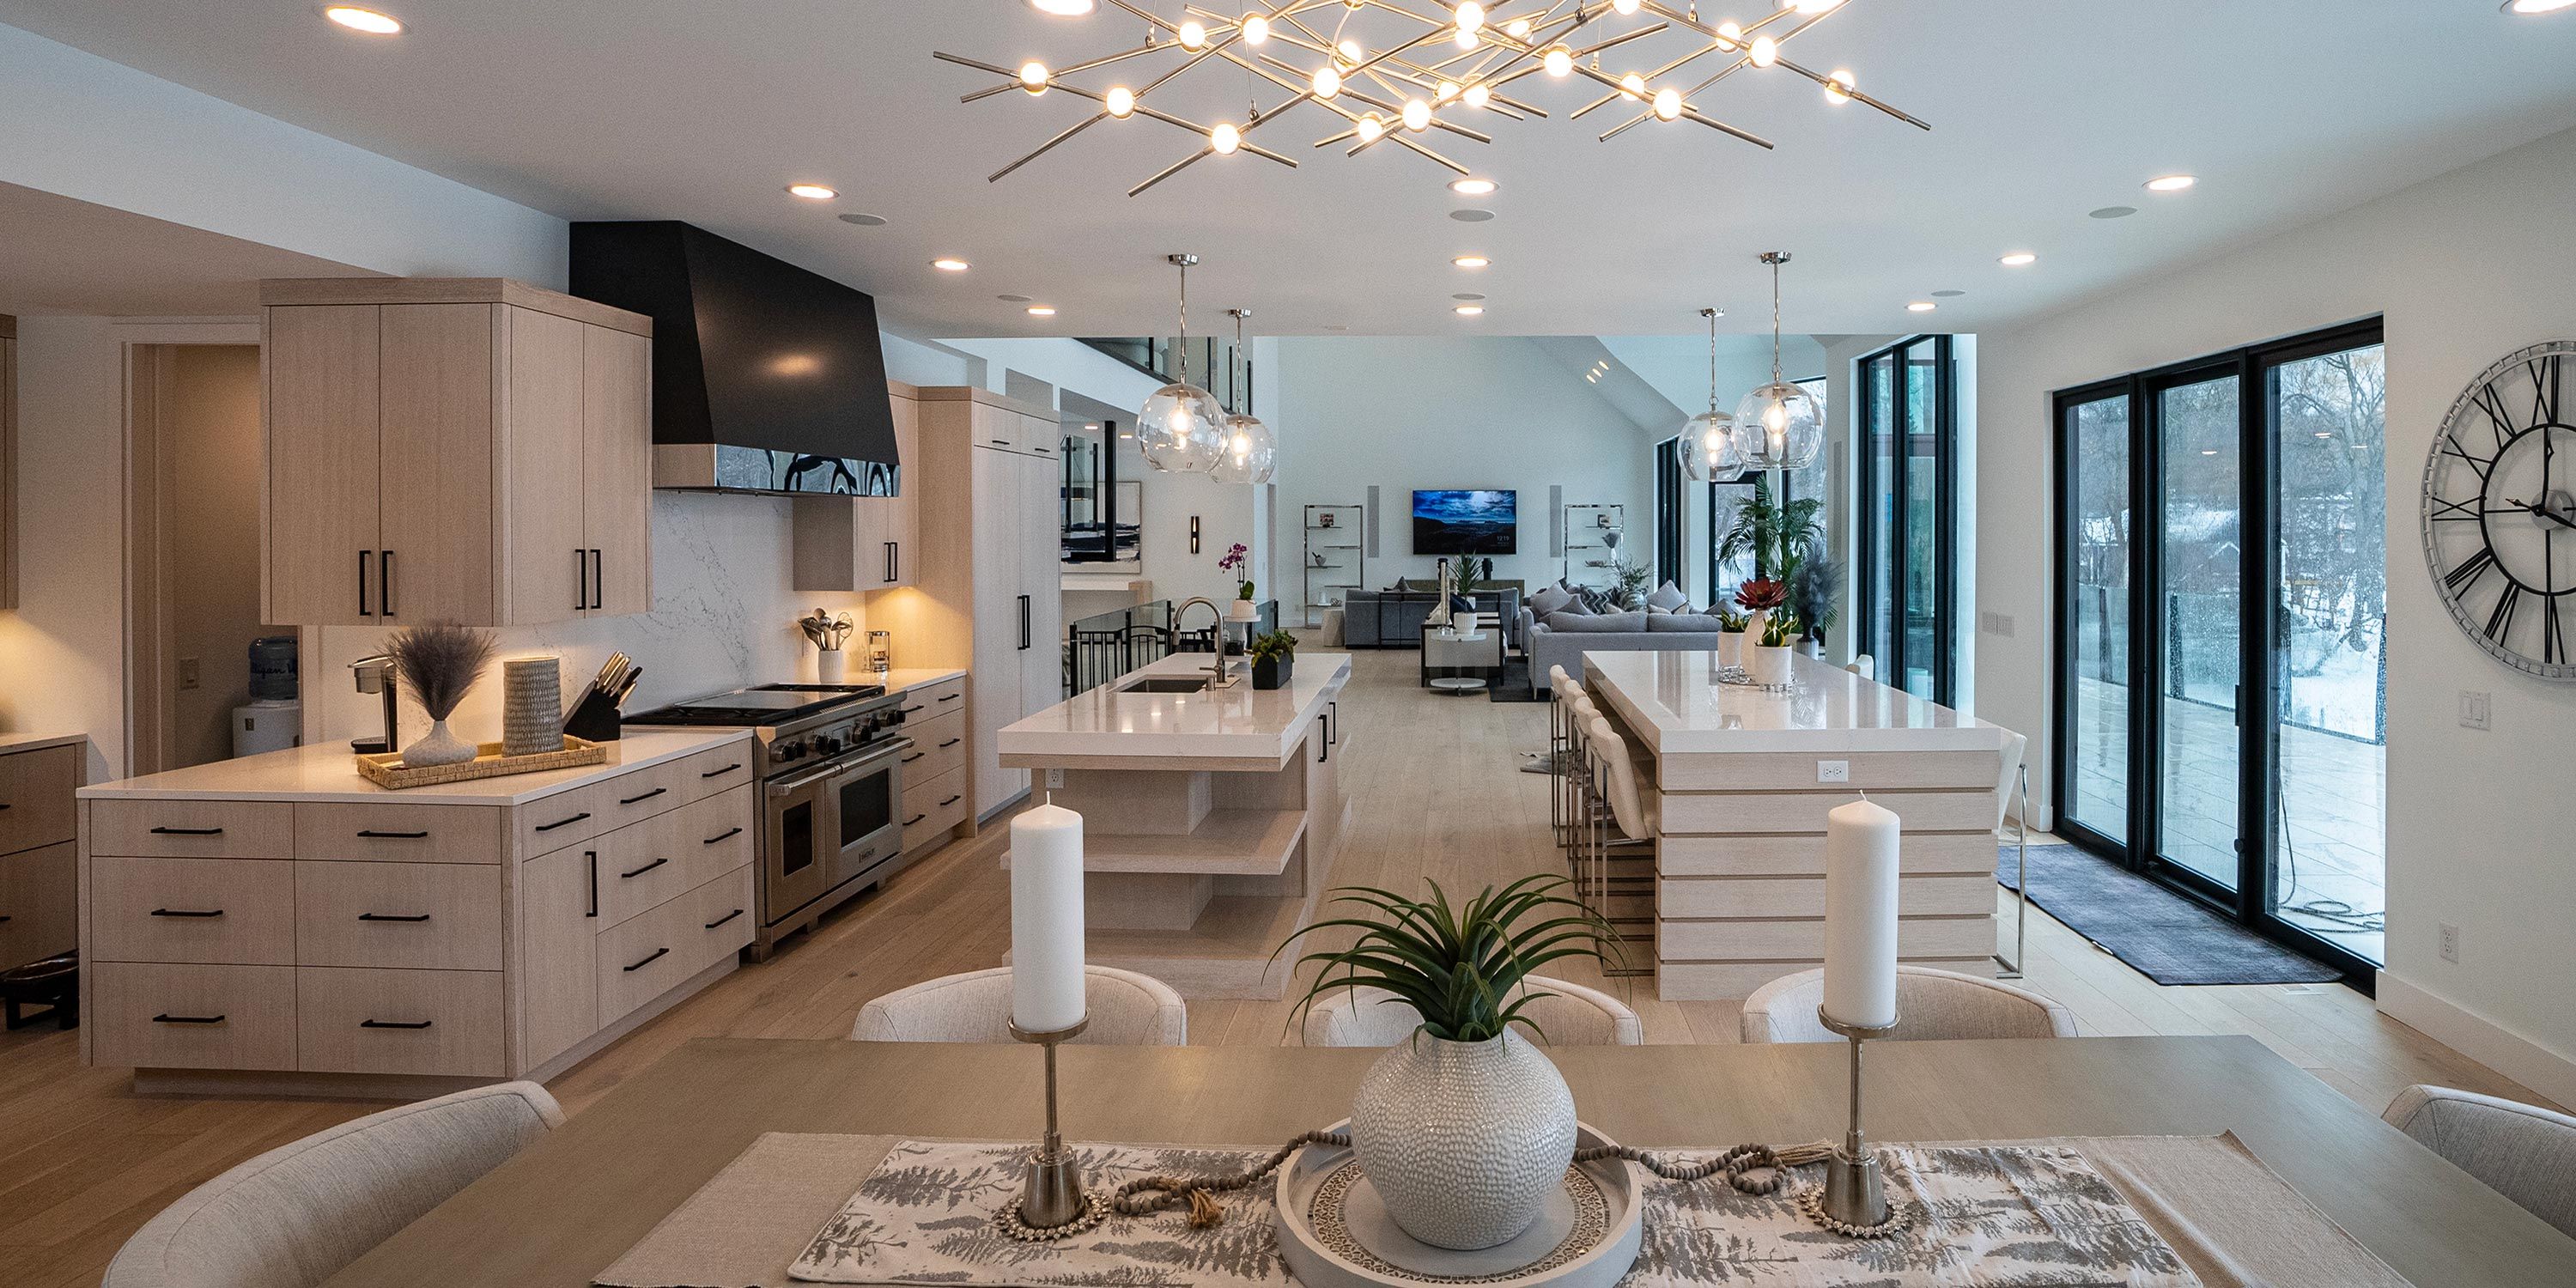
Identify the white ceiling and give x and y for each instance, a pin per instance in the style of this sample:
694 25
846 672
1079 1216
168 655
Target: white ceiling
67 256
2043 110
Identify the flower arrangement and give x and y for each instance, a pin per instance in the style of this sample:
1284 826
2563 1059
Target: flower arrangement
1235 564
1762 594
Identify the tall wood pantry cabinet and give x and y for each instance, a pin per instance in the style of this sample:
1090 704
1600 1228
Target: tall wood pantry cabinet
8 461
987 591
860 543
473 449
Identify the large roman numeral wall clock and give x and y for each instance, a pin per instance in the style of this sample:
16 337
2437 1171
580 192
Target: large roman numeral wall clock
2500 511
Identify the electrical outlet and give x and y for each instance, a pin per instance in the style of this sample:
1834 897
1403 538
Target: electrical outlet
188 673
1055 779
2450 943
1833 771
2474 710
1996 624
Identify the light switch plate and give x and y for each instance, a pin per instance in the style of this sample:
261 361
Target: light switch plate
189 675
2474 710
1833 771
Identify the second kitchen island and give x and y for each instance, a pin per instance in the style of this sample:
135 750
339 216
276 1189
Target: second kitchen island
1211 816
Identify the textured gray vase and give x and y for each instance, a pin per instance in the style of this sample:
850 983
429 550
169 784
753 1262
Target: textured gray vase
531 706
440 746
1464 1141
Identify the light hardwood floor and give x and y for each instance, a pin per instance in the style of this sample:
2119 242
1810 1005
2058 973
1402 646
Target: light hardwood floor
1438 794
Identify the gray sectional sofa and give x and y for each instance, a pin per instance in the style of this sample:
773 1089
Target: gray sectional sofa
1561 639
1393 618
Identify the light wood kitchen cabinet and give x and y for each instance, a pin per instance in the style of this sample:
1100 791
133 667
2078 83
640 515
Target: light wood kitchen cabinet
866 542
472 449
39 870
8 461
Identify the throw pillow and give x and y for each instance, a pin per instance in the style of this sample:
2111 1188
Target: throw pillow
1596 601
1668 598
1549 599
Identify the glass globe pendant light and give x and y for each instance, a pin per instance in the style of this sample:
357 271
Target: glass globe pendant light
1707 446
1250 450
1778 426
1177 427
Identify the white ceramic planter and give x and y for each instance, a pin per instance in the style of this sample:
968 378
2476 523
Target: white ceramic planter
1770 666
1730 648
1464 1141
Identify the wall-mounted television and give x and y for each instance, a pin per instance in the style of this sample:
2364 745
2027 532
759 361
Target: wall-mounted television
1481 521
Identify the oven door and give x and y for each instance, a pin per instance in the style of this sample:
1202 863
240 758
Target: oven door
802 828
867 795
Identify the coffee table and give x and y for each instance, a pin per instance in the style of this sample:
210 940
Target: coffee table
1471 645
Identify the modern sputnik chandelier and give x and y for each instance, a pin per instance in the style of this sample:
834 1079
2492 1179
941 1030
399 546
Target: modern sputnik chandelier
1707 446
1443 61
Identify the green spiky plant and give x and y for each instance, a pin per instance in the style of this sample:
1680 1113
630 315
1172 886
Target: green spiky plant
1459 968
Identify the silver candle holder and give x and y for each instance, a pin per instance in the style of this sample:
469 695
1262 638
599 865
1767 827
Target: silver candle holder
1855 1197
1052 1202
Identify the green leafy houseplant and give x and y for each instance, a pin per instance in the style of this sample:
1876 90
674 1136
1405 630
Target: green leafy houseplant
1461 967
1775 536
1781 630
1730 620
1274 646
1632 582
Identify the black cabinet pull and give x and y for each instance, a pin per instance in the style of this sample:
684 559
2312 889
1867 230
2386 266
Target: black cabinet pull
1001 442
4 805
951 801
951 697
187 1019
363 610
598 580
1324 749
909 710
581 580
725 835
723 919
719 773
387 916
563 822
895 569
950 743
645 797
914 819
187 912
913 757
385 583
373 835
1024 623
1333 724
624 876
394 1024
658 954
187 831
5 918
889 561
593 857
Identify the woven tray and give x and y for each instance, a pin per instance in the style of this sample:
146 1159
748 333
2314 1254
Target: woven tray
385 769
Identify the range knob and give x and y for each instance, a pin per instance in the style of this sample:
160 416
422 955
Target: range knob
788 749
826 744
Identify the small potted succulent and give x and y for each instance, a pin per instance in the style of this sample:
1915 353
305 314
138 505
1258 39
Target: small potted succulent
1274 658
1466 1129
1772 630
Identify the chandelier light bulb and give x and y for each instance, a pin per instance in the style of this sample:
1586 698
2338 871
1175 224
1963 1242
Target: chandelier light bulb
1463 39
1477 96
1838 87
1517 28
1559 60
1193 34
1633 85
1371 128
1729 35
1417 115
1627 8
1766 51
1668 103
1063 8
1351 51
1256 29
1121 102
1225 138
1470 16
1033 77
1775 419
1327 82
1448 90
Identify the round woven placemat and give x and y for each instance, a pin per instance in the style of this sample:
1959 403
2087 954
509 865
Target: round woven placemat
1591 1224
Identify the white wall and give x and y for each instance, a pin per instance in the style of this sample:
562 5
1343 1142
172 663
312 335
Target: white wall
1420 412
62 651
2465 269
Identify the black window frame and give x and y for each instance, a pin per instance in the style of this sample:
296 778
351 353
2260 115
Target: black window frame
1890 653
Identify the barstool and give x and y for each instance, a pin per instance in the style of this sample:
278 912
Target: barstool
1623 818
53 982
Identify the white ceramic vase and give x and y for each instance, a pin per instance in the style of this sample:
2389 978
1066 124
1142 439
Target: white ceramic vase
440 746
1770 666
1464 1141
1730 648
831 666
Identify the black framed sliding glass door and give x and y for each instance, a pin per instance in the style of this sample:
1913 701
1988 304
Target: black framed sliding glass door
1908 515
2220 667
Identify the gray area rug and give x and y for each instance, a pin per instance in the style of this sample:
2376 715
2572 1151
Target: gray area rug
2163 935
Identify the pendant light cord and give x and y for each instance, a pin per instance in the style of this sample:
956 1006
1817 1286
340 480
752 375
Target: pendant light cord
1712 362
1185 322
1775 319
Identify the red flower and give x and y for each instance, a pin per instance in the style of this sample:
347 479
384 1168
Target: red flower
1762 592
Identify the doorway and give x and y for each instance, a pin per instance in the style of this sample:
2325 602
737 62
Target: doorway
193 558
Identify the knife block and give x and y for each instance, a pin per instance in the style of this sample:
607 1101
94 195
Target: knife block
594 718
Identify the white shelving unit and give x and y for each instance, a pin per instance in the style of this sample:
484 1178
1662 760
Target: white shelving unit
1588 550
1331 553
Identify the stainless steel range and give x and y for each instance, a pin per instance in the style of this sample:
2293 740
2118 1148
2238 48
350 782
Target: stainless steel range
831 782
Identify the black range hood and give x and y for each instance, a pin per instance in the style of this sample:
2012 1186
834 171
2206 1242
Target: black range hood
766 378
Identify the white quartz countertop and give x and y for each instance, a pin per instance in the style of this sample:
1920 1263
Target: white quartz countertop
1235 723
905 679
330 774
1672 701
10 742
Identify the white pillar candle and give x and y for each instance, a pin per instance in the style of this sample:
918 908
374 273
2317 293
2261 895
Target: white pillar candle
1860 914
1046 919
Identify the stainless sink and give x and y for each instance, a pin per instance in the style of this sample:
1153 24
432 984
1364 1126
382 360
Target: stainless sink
1166 684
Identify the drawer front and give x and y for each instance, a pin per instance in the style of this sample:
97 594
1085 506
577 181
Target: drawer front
719 770
939 699
236 911
39 903
419 916
649 955
193 829
397 833
36 797
648 865
565 818
398 1021
191 1017
938 745
931 808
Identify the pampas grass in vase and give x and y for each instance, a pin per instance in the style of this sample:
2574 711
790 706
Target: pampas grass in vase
439 663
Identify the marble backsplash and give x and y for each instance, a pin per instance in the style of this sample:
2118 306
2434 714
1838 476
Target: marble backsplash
723 616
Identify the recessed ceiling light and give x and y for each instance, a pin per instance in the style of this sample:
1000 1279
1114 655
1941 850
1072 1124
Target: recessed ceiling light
811 191
1469 310
1041 310
1921 306
2115 212
2536 6
1471 216
1063 8
366 20
1469 296
2170 183
1335 326
1092 427
1471 261
2017 259
1012 299
864 220
1947 295
1592 377
947 264
2209 451
1472 187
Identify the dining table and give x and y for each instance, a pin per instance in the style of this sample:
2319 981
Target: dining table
565 1208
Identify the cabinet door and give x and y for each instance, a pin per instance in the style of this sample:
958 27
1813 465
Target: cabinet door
998 496
322 466
841 543
435 481
1041 437
549 563
994 427
559 979
617 469
1041 579
903 515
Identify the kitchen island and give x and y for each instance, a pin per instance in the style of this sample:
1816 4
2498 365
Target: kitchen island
1210 815
1743 780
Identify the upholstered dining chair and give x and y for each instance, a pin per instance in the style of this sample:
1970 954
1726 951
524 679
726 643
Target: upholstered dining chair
1127 1009
1566 1014
294 1216
2523 1152
1931 1005
1864 666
